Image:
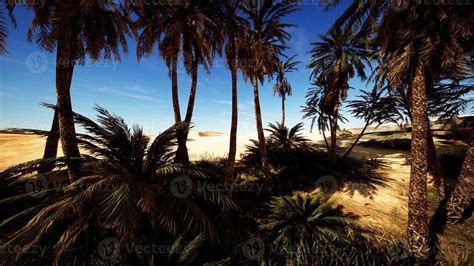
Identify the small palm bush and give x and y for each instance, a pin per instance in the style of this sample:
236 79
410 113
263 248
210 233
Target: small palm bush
284 137
300 222
126 192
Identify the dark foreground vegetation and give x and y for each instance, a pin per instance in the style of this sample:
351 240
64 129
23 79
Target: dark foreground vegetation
134 205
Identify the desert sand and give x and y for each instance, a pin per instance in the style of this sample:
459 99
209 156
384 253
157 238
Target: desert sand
381 207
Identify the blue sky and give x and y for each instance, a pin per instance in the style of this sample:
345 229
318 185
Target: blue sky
141 91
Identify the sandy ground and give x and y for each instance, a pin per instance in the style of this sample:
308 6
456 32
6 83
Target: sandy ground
382 207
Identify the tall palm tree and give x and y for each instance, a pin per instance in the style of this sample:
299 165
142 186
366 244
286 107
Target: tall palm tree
337 58
75 30
282 86
423 42
124 194
267 36
186 30
234 40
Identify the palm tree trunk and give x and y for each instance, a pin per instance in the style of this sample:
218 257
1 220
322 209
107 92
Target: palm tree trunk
283 110
182 149
174 90
433 166
417 203
334 118
463 193
64 72
51 147
325 140
261 135
180 131
356 141
233 127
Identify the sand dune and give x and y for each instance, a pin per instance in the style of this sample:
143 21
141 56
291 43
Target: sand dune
18 148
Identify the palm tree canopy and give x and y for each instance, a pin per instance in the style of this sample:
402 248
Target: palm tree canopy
434 34
314 109
282 86
96 30
8 6
338 57
267 36
188 30
375 107
286 137
233 26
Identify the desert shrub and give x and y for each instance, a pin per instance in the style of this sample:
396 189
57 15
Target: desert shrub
298 222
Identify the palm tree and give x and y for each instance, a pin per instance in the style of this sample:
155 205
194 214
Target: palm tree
374 107
75 31
3 28
422 42
126 193
185 30
313 109
463 192
286 137
234 40
282 86
301 222
337 58
266 40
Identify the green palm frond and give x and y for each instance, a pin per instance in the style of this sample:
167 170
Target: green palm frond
191 250
300 220
125 191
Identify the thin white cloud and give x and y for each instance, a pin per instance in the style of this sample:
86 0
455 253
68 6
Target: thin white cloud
126 94
225 102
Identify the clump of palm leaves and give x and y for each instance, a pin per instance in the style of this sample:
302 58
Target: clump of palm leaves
309 230
125 192
300 222
286 138
286 149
